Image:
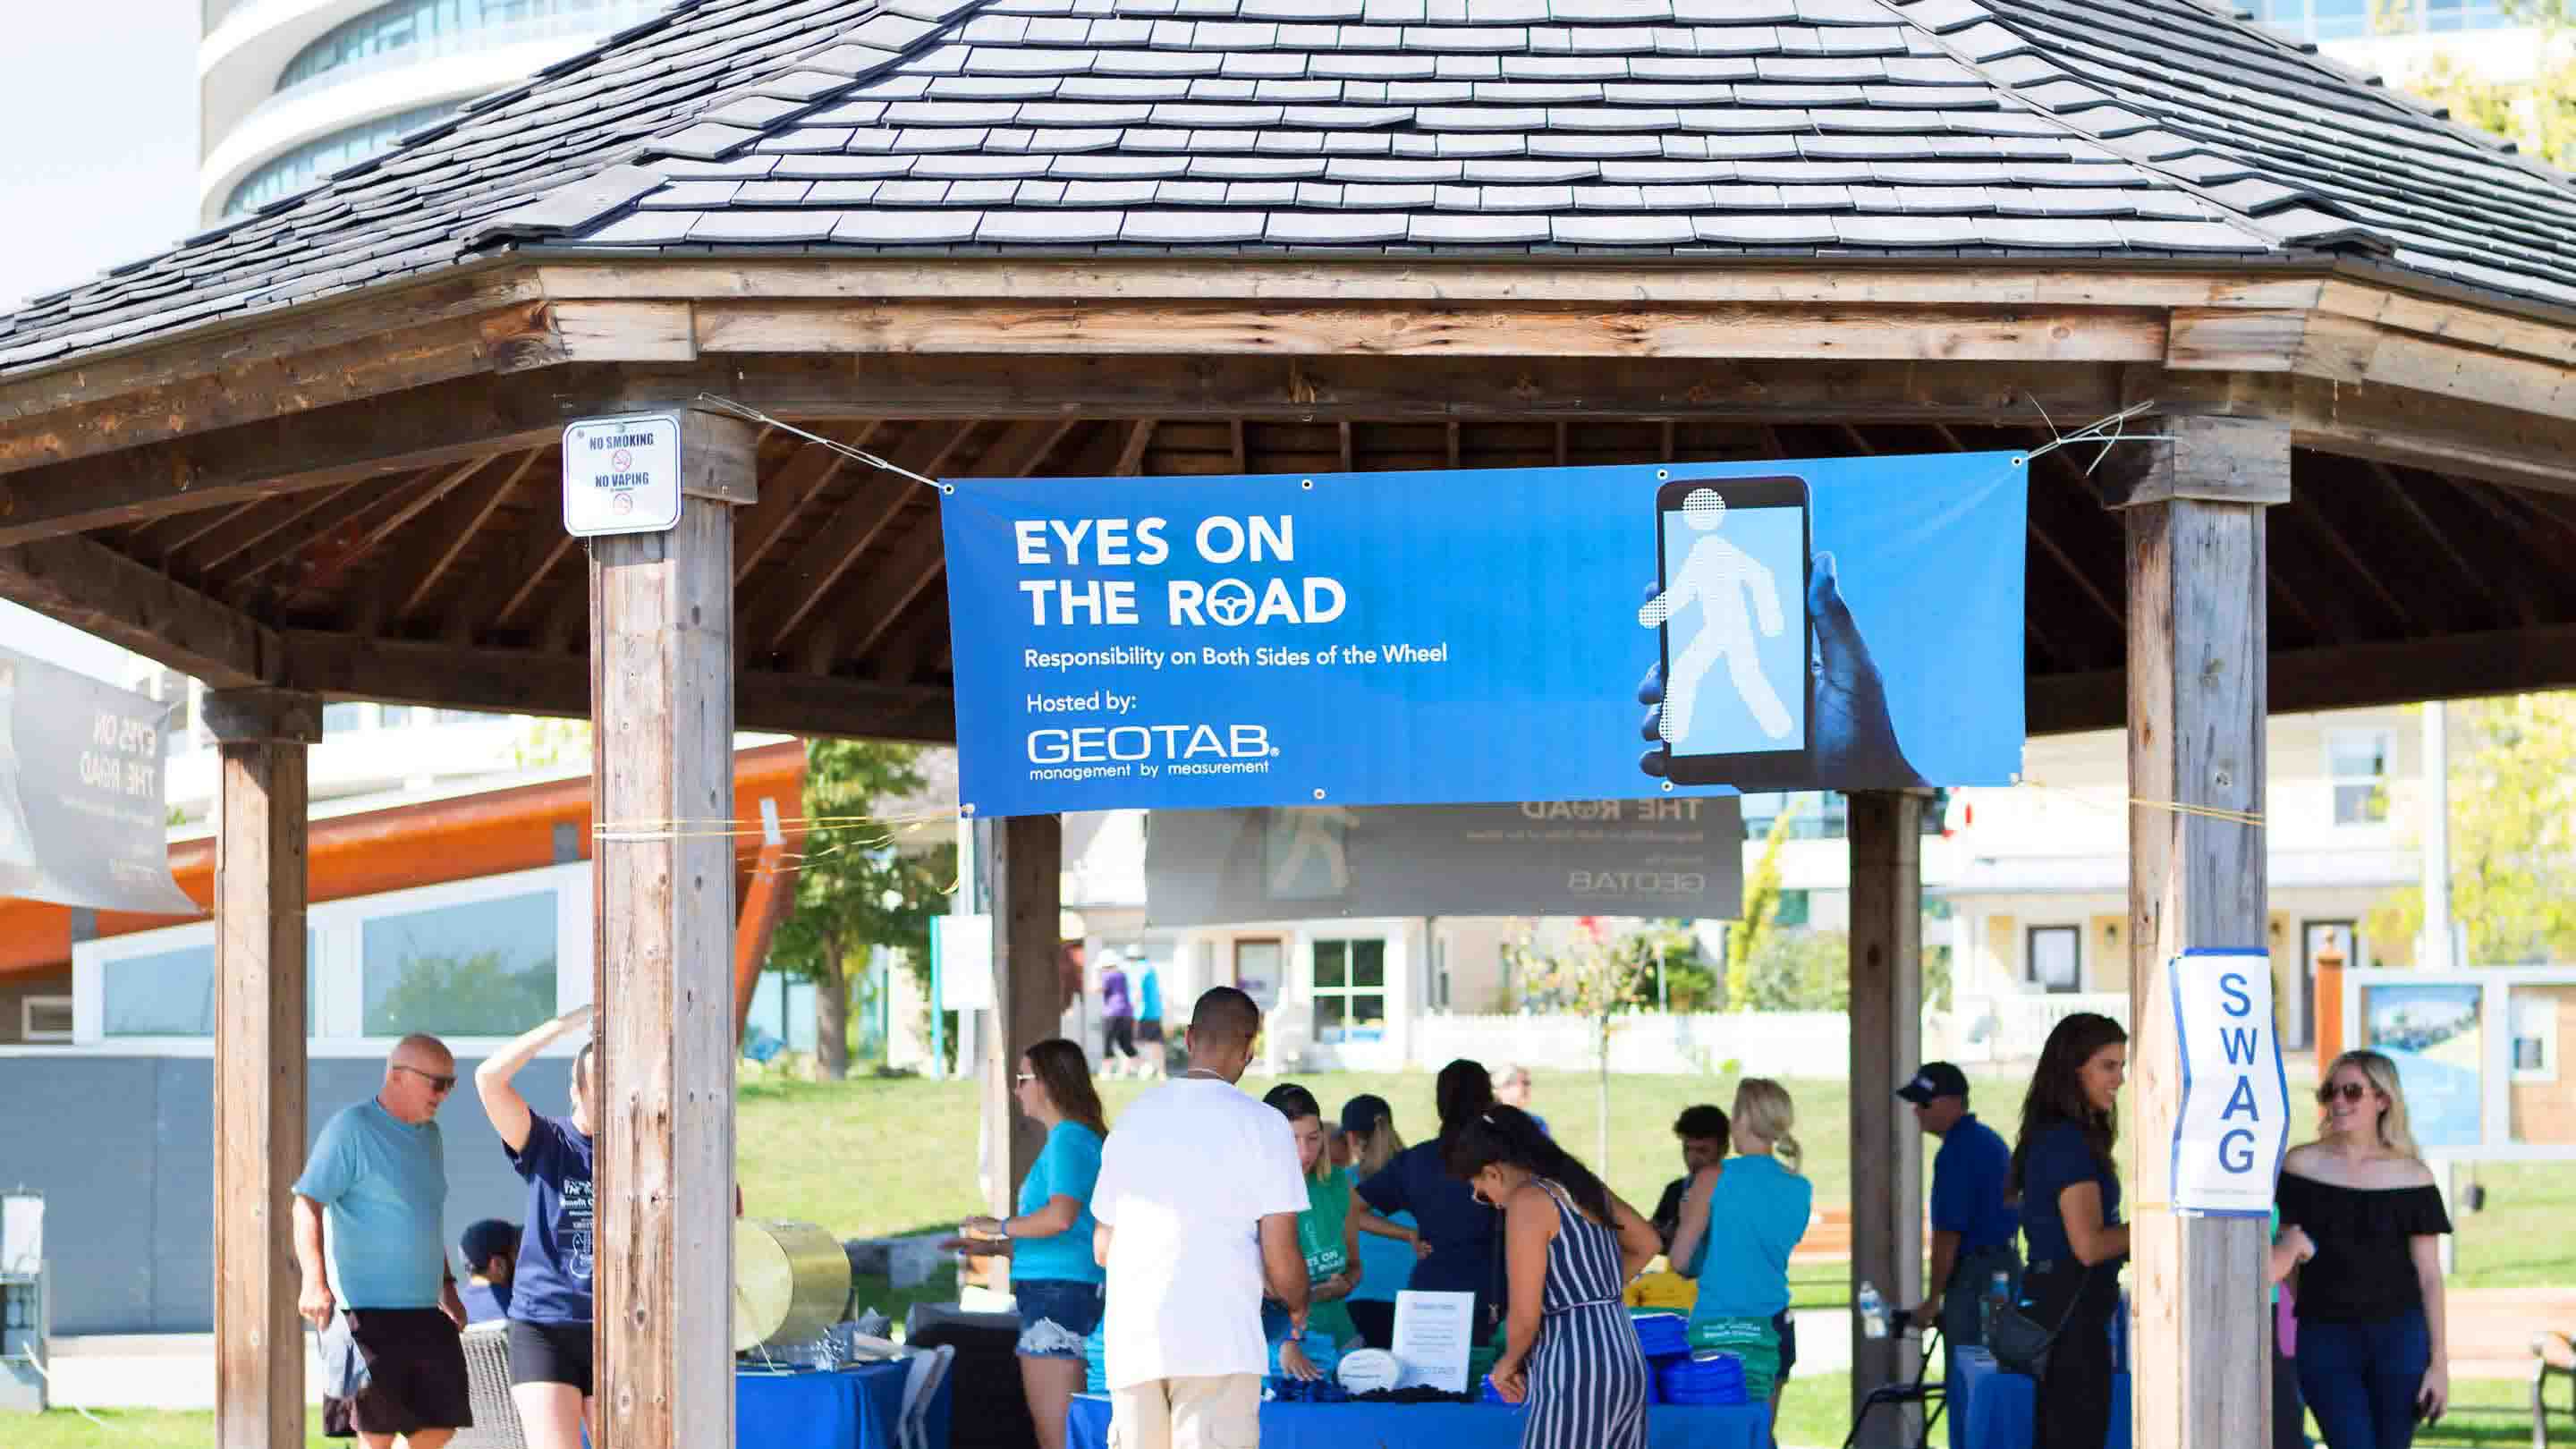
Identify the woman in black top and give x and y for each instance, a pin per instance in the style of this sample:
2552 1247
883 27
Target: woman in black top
2362 1205
2070 1223
1459 1238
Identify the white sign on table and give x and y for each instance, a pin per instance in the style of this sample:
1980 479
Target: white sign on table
2235 1118
622 475
1433 1334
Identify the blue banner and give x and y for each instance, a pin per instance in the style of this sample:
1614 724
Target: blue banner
1486 635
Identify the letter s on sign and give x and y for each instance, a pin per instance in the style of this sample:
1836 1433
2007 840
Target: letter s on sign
2232 986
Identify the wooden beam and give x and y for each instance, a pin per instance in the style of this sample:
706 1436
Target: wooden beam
540 550
1307 279
2316 507
243 529
1131 456
1020 449
2200 1349
94 588
338 516
661 641
1028 994
2432 537
2356 676
431 426
158 540
1242 456
808 470
259 1107
408 504
1886 1045
556 683
444 536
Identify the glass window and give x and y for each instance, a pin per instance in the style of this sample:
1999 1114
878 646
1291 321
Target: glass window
2357 761
2535 1034
1822 815
394 716
478 968
2056 958
1350 991
342 719
1795 905
172 993
442 26
310 162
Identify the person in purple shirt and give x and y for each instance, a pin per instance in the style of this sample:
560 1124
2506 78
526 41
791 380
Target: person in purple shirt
550 1291
1118 1018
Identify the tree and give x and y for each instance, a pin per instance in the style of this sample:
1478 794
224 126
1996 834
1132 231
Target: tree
2539 115
1761 907
856 889
2513 834
1799 970
1593 977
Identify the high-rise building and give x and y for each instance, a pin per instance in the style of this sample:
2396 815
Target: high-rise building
292 90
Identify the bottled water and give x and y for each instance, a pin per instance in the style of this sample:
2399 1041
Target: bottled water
1998 1298
1873 1312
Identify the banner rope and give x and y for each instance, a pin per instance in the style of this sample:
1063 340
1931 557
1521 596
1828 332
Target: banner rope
2251 818
858 455
2093 432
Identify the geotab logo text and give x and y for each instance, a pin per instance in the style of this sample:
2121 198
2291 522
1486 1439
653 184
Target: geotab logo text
1129 744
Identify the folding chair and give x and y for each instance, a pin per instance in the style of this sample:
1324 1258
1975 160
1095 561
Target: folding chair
1929 1393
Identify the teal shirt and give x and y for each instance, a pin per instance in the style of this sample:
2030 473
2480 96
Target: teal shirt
1755 1219
382 1184
1386 1264
1068 1166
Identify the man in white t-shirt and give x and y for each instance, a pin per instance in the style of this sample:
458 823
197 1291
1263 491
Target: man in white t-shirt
1197 1202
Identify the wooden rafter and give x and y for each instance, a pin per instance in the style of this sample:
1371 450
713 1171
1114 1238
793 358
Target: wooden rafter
540 551
807 472
158 540
2444 546
2316 508
445 535
826 558
407 505
344 511
247 528
920 558
1131 454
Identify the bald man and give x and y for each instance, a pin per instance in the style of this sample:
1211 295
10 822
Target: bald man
1197 1205
373 1193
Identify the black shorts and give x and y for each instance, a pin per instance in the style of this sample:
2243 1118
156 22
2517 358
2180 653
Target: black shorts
415 1372
1149 1029
550 1353
1787 1328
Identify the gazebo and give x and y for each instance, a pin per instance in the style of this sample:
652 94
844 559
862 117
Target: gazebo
311 453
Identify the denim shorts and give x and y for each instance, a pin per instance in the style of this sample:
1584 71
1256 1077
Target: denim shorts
1056 1315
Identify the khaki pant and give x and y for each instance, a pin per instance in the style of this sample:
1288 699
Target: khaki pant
1222 1412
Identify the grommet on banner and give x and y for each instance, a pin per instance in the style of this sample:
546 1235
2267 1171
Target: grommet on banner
1319 794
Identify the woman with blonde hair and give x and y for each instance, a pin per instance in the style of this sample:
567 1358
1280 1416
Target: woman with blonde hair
1740 1221
2359 1206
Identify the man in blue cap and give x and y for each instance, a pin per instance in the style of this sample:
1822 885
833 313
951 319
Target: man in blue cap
491 1248
1973 1218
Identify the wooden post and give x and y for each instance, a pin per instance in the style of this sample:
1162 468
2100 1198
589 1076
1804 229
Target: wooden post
2199 1348
1886 1047
259 1061
661 650
1028 994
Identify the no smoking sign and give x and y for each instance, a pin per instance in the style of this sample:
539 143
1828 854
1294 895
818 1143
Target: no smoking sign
621 475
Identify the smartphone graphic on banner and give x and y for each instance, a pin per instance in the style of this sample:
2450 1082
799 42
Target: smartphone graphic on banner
1739 695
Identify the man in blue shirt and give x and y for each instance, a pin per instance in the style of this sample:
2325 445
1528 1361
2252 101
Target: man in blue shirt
1973 1223
377 1181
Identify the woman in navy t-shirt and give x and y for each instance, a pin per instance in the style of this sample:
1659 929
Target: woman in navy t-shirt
1457 1237
550 1303
2070 1222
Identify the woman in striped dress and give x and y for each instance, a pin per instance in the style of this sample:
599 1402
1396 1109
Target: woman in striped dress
1570 1247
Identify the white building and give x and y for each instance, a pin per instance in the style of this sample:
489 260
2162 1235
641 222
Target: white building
292 90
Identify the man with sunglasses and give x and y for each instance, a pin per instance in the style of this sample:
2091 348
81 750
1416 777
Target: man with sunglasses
372 1194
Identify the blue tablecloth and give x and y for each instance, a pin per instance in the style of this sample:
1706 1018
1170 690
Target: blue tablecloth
1443 1426
856 1408
1991 1409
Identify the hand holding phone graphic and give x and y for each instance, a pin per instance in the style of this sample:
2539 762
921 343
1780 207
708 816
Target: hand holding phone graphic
1758 686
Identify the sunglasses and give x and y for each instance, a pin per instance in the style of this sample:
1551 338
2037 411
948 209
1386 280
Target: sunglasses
444 1084
2349 1091
1025 1078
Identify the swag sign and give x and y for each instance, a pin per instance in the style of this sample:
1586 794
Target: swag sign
2235 1118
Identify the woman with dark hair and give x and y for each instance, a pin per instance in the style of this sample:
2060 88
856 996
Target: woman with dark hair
1571 1246
1454 1233
2070 1222
2360 1206
1325 1233
1053 1276
1386 1257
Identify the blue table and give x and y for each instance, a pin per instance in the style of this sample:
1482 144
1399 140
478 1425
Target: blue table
1991 1409
856 1408
1442 1426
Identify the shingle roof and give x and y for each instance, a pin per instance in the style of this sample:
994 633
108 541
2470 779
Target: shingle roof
2147 128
